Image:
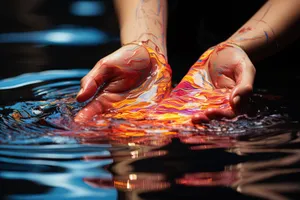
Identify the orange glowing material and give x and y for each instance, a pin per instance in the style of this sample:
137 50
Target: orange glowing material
148 94
194 94
154 108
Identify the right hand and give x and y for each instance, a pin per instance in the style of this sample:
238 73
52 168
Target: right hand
126 78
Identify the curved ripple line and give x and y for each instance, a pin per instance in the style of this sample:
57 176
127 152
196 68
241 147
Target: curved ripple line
31 78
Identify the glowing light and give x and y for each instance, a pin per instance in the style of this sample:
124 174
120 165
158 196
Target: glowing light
87 8
132 176
134 154
59 37
64 35
128 186
30 78
131 144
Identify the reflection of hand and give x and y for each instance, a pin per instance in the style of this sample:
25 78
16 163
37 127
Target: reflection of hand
229 67
127 74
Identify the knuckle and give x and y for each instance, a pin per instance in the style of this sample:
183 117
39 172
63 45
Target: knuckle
253 69
99 63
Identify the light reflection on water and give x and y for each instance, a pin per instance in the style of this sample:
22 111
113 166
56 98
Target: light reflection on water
87 8
45 155
63 35
61 170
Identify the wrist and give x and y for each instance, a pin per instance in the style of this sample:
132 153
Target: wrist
241 45
249 49
148 43
152 50
235 45
154 39
256 47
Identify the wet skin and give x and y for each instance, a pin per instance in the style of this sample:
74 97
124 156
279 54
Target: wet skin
133 77
212 88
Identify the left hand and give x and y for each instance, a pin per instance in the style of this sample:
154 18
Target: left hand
215 87
229 67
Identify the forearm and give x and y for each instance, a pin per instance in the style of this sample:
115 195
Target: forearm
274 26
142 20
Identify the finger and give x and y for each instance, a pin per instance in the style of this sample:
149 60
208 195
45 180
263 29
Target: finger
89 111
219 113
224 82
93 80
98 106
241 99
244 75
88 88
200 118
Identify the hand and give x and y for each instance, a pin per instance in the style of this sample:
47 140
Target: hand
126 79
229 67
213 88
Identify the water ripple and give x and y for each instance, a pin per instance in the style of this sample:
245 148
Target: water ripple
48 155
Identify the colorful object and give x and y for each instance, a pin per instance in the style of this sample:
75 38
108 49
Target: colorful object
194 94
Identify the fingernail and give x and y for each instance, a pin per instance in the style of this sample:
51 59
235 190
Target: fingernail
236 100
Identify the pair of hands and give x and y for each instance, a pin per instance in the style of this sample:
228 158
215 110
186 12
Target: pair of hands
137 73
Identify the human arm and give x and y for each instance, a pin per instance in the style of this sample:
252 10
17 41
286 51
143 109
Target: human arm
143 20
272 27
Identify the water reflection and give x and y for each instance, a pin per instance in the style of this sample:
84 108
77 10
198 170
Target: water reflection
65 35
32 78
58 170
45 155
87 8
177 170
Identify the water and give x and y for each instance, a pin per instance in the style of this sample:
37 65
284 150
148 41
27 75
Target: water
45 155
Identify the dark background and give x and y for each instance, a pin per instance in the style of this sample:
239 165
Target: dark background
193 26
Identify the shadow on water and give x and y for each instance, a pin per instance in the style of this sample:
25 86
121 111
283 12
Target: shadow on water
45 155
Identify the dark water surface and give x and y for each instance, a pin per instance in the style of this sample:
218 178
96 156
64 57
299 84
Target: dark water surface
50 45
45 155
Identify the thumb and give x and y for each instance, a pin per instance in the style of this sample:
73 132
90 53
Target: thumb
100 74
244 75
